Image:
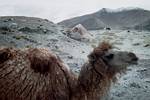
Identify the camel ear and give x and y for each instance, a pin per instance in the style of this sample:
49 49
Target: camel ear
99 51
5 54
92 57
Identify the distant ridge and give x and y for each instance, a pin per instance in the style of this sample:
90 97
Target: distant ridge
122 18
143 26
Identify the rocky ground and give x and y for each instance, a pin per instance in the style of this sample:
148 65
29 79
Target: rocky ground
26 32
135 84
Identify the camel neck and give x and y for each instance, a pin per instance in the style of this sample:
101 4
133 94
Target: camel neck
91 84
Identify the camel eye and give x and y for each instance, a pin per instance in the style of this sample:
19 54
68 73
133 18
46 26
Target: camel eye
110 56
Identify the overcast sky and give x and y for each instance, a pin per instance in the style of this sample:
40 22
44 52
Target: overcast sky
57 10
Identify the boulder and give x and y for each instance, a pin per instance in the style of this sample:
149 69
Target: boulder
79 32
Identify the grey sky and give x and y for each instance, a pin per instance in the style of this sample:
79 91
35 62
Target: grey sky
57 10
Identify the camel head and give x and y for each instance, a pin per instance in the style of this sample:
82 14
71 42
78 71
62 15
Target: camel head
107 60
120 59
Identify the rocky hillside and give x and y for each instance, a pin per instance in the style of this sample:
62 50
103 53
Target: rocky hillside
26 32
122 19
20 31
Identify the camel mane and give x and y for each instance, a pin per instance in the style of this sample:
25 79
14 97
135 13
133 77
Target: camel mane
101 65
100 50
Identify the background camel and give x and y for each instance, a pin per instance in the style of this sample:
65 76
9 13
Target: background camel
38 74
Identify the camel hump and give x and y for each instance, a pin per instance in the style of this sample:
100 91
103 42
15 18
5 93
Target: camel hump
41 60
5 54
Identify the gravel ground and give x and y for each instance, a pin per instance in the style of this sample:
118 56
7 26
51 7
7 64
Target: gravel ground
26 32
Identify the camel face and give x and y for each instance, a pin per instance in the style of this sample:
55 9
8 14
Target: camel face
120 59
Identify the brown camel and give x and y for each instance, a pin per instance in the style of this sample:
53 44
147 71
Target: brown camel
38 74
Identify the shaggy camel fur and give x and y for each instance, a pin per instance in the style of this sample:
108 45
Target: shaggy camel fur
38 74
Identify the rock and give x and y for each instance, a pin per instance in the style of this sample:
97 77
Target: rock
39 27
107 28
9 19
135 85
54 40
5 20
83 51
3 32
124 78
30 40
65 33
121 94
46 20
26 29
17 37
45 30
80 33
51 31
70 57
39 20
129 69
146 45
13 25
148 81
5 28
143 70
31 30
39 44
136 44
68 41
28 46
53 26
56 47
73 65
128 31
146 87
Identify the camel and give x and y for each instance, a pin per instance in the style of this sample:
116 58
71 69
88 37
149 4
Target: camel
39 74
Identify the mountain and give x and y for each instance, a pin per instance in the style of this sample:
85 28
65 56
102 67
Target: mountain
143 26
117 19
